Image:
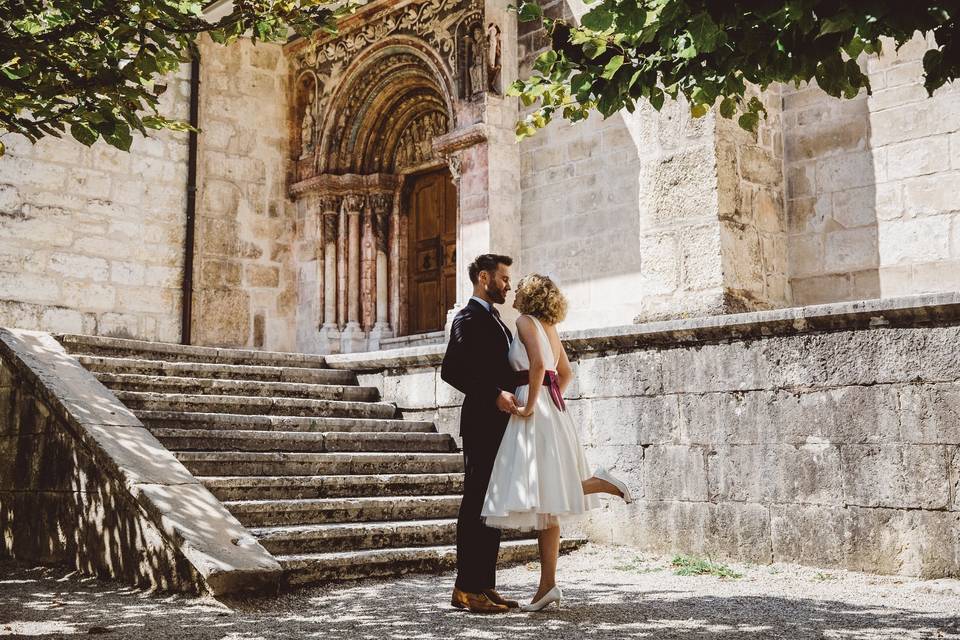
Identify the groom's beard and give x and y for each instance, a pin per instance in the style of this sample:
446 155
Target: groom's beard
497 295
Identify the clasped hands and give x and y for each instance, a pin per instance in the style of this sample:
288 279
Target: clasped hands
507 402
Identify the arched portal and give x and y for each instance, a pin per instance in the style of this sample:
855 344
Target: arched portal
371 163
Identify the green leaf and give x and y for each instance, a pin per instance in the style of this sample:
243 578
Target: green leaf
657 98
749 121
83 134
516 88
698 110
704 32
612 66
529 11
545 61
728 106
581 83
599 19
835 24
121 137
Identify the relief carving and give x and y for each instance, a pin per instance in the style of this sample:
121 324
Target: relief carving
307 128
494 63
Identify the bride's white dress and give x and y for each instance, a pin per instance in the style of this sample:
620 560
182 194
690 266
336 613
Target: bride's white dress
537 475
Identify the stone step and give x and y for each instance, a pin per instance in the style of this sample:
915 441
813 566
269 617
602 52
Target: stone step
242 463
249 388
347 565
222 440
341 486
235 421
107 364
347 536
145 400
264 513
106 346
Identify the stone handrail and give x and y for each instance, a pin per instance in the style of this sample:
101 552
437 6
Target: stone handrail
83 481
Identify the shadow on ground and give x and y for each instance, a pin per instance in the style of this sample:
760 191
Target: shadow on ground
50 603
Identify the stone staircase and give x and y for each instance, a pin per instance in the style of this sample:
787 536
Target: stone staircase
329 479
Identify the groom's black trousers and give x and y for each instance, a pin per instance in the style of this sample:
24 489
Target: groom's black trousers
476 364
477 544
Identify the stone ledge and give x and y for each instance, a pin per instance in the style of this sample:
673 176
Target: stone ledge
426 356
907 311
194 524
173 348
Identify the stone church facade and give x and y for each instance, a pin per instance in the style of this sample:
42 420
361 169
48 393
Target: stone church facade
345 181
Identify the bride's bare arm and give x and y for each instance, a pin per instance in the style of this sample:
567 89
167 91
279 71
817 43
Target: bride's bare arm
528 336
564 370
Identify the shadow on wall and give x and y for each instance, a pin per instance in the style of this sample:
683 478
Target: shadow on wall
833 246
58 506
418 607
83 482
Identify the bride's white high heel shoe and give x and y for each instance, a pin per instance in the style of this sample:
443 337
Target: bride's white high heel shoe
603 474
554 595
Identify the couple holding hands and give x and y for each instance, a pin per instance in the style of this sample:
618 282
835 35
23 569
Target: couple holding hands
524 465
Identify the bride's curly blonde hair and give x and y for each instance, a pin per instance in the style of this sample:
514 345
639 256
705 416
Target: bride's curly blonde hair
541 299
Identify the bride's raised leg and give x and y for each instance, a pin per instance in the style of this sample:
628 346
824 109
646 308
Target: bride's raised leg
597 485
548 542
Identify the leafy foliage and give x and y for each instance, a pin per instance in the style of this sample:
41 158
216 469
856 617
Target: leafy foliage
94 67
710 51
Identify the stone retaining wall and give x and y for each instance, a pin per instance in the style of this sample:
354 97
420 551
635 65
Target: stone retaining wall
825 435
82 482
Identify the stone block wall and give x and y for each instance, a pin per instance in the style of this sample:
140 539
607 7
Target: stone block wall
872 184
753 226
827 436
623 211
245 275
91 239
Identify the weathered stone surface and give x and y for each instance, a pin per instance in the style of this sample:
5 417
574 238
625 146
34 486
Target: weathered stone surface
896 476
674 472
84 481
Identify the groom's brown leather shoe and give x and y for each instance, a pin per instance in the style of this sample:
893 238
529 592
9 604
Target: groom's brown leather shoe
475 602
496 598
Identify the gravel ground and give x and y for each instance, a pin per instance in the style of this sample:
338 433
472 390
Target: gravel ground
610 592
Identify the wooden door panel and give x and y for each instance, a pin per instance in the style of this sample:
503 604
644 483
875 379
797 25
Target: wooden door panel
433 240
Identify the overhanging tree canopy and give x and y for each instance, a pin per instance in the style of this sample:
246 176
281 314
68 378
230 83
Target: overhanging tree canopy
624 51
93 66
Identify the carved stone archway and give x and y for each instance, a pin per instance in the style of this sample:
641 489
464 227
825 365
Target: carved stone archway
376 128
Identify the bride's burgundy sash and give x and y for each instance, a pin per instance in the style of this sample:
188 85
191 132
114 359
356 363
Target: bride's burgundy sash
550 380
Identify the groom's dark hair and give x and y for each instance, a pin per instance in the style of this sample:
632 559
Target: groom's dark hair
486 262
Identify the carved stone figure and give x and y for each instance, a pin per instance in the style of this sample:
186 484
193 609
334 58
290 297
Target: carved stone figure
476 65
307 126
493 57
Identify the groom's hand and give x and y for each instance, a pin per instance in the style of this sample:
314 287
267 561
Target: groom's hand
507 402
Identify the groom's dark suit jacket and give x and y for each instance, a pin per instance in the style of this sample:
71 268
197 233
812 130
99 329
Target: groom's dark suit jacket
476 364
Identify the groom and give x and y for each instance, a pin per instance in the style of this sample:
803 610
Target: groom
476 364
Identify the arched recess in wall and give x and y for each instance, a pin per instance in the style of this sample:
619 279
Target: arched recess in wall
391 102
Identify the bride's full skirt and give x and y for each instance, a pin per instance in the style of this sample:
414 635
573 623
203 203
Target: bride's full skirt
537 475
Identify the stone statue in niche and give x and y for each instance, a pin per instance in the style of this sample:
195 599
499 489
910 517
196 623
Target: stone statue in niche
476 63
307 127
493 58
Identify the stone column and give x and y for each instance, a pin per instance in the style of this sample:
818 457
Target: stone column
397 268
368 267
353 337
329 331
342 239
381 205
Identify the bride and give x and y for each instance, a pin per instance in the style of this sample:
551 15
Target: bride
540 474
